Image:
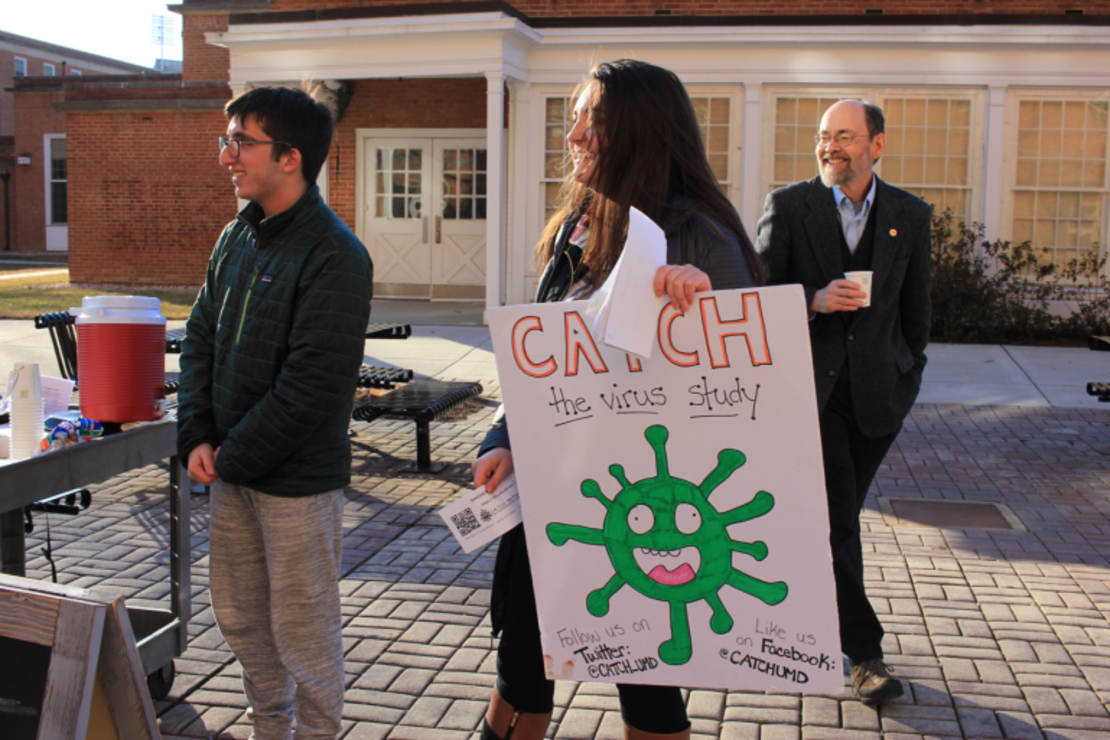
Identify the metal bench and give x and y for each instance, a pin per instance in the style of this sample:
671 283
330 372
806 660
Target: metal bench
371 376
1101 390
174 337
64 338
422 401
388 331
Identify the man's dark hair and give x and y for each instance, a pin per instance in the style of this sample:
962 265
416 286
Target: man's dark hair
876 124
303 119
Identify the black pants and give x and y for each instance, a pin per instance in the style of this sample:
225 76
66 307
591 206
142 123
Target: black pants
521 678
851 461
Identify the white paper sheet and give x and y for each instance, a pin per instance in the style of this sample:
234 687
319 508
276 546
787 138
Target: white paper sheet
476 517
56 393
626 306
5 400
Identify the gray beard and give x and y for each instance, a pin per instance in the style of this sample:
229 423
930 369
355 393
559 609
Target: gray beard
829 180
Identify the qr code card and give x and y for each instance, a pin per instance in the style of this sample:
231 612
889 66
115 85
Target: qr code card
477 517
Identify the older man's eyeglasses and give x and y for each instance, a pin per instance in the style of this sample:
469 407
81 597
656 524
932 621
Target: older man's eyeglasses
840 139
232 145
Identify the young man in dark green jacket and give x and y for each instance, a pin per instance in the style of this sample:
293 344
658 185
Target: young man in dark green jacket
268 372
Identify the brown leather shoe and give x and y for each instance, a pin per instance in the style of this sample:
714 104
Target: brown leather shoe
872 682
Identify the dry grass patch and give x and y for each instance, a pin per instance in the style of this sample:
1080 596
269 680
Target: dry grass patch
25 298
11 271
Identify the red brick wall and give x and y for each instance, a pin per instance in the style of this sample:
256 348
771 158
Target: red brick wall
144 89
7 162
410 103
147 197
202 61
64 64
541 8
33 119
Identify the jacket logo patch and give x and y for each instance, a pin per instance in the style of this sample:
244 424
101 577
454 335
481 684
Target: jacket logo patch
267 278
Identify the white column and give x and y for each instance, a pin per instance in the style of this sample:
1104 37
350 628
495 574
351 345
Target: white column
994 162
519 212
495 188
751 205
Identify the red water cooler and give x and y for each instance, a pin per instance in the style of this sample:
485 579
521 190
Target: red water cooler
121 357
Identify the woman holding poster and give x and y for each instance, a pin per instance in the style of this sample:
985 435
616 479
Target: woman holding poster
635 142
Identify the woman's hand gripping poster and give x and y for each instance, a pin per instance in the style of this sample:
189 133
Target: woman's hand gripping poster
674 506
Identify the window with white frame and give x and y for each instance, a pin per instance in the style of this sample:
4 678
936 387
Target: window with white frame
715 120
464 184
48 69
797 117
558 119
934 141
20 68
1057 149
75 72
930 149
56 180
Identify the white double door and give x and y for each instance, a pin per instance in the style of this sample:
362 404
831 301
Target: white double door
424 216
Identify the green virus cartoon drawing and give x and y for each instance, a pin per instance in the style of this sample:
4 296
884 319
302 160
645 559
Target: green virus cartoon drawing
666 541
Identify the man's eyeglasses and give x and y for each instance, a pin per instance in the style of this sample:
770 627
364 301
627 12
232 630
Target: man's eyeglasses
232 145
840 139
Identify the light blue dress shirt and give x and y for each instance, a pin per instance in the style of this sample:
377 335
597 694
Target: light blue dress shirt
851 222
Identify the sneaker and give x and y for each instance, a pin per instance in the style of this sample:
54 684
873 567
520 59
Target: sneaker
872 682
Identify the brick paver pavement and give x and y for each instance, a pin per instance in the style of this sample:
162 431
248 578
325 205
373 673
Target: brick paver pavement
997 634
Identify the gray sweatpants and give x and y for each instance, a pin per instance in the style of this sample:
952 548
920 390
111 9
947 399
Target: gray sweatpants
275 592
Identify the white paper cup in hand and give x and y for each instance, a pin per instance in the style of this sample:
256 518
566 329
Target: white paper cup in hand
862 278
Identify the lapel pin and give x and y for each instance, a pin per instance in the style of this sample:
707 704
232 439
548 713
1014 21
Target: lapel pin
894 232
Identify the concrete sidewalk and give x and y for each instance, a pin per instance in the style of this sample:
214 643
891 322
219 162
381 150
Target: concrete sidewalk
998 633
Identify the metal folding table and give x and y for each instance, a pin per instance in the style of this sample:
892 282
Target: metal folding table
161 635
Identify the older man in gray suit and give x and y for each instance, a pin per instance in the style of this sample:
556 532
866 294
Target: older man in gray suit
867 360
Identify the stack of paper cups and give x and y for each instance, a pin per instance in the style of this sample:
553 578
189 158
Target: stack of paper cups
26 411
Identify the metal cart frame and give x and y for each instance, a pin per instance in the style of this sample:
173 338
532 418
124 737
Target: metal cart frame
161 635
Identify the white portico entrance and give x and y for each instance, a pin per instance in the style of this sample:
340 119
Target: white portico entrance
422 198
965 102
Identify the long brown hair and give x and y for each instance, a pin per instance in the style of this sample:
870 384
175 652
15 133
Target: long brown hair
651 153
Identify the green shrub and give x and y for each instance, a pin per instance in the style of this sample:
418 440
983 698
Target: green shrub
1085 283
991 292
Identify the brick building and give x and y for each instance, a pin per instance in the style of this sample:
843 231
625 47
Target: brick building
33 143
451 144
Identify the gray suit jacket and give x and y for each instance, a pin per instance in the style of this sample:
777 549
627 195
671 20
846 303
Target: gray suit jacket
885 343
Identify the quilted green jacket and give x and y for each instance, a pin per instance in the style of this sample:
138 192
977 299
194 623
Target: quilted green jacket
273 347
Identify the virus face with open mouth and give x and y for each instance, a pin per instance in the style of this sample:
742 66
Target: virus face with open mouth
666 541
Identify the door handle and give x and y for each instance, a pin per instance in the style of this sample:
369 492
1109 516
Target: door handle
439 224
424 230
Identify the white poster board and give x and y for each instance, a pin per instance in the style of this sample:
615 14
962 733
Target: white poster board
675 507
